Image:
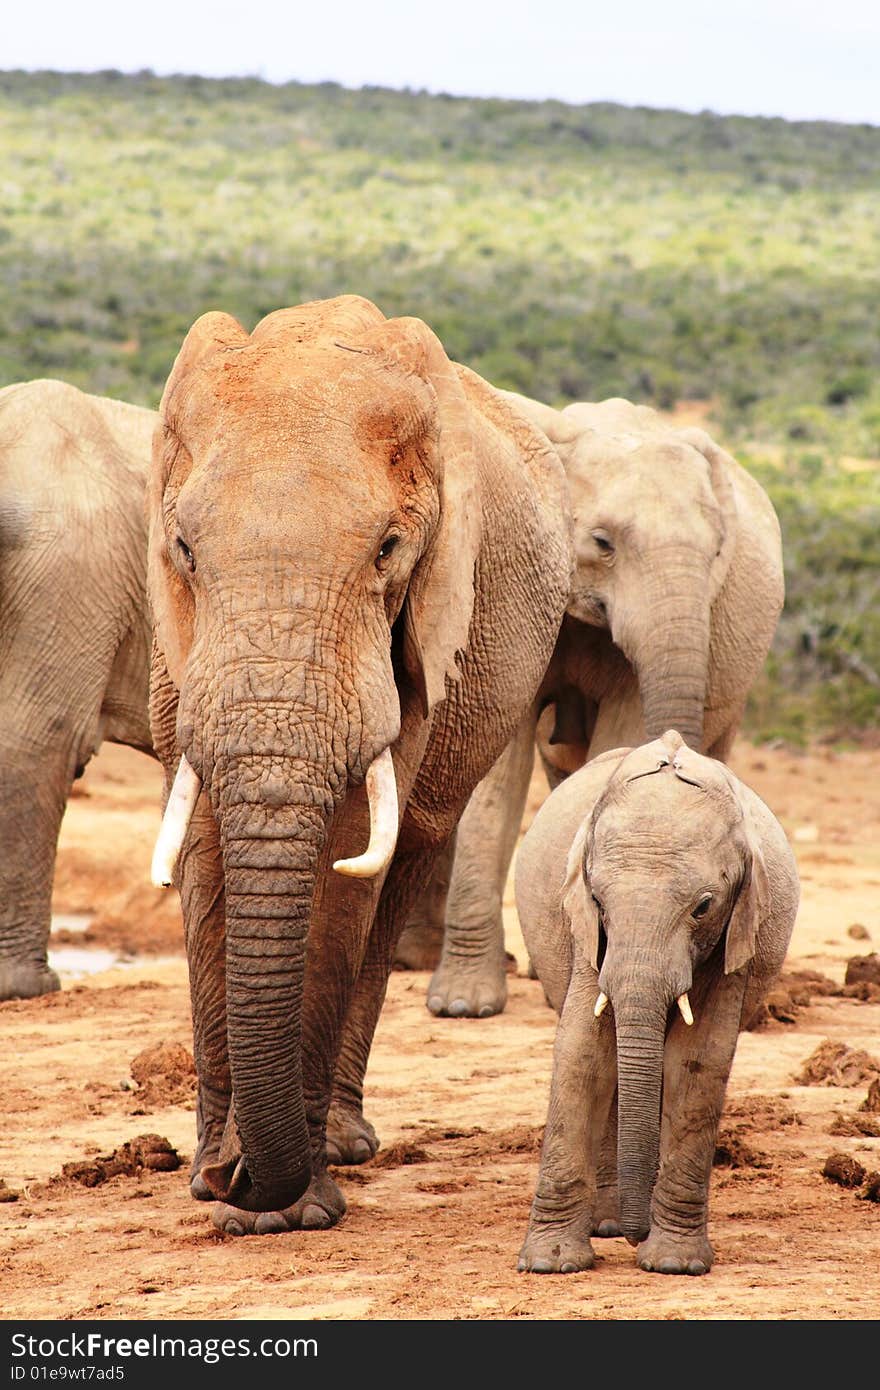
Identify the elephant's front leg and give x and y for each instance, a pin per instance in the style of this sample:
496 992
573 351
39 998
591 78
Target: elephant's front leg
565 1209
350 1136
471 979
200 877
696 1068
421 941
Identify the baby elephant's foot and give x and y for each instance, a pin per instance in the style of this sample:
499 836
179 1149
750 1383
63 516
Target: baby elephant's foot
666 1253
556 1249
468 988
350 1138
319 1208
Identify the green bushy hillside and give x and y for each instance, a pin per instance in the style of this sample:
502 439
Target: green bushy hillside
567 252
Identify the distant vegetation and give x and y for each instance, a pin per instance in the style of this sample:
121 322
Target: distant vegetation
567 252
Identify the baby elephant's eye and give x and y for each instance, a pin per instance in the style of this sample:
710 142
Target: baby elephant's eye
702 906
603 542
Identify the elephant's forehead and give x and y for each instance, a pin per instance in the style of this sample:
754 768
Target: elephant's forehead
625 468
259 393
660 809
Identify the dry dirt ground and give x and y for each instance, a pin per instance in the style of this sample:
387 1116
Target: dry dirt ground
435 1221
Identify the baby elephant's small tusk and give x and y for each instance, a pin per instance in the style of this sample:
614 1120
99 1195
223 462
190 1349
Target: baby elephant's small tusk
685 1005
181 803
600 1004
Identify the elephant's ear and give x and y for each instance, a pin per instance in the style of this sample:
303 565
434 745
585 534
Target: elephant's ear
577 900
753 901
722 468
440 598
559 428
170 599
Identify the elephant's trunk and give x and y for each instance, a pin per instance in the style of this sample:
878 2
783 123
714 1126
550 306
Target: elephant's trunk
669 648
271 846
640 1031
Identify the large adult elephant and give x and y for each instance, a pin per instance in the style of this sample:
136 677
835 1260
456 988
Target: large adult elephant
74 633
677 589
359 559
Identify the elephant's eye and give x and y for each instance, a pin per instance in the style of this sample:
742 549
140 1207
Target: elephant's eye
186 554
702 906
389 545
604 543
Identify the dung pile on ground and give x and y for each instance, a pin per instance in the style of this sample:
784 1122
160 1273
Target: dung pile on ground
148 1151
165 1074
733 1152
846 1171
835 1064
400 1154
793 991
862 979
8 1194
871 1103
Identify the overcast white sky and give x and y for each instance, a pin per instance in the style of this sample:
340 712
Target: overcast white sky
802 59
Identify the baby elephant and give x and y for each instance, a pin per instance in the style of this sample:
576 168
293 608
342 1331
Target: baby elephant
657 896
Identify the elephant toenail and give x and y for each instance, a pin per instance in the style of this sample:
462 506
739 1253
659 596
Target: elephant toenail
269 1223
233 1227
361 1151
608 1229
314 1218
669 1265
435 1004
543 1267
486 1011
332 1154
568 1268
697 1267
199 1189
458 1008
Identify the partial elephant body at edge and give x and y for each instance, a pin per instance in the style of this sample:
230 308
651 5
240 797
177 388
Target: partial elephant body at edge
74 633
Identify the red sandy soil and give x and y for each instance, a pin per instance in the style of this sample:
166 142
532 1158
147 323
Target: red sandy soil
435 1222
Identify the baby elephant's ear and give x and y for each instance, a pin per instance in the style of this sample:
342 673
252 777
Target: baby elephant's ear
752 906
577 899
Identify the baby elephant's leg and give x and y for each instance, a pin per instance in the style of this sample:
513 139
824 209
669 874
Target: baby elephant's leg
563 1212
696 1069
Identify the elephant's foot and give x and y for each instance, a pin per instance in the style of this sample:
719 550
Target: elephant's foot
606 1212
556 1248
666 1252
25 980
473 987
319 1208
350 1138
419 946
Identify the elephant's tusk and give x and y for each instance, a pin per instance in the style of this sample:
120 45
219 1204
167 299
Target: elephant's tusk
382 796
600 1005
684 1004
181 803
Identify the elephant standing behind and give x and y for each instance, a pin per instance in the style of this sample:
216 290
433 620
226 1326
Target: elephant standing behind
657 896
359 558
74 633
676 593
